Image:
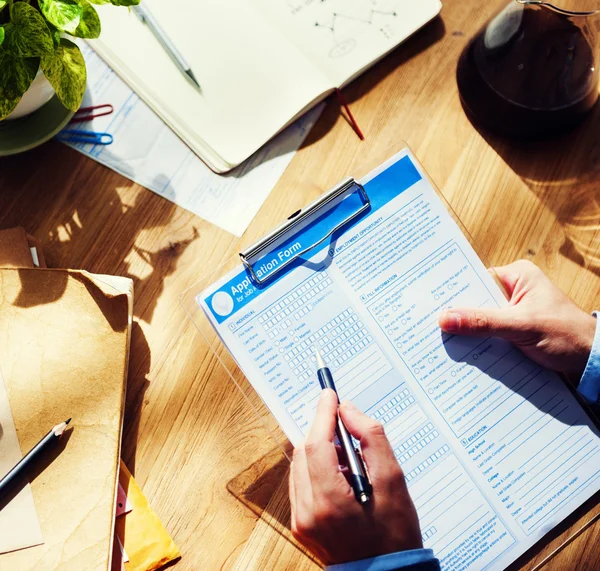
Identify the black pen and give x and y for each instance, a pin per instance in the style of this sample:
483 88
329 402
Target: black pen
358 477
44 443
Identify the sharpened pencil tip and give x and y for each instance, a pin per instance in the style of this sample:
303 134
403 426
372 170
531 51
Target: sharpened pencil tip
67 421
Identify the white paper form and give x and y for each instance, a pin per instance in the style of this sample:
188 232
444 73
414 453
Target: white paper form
19 523
496 450
146 151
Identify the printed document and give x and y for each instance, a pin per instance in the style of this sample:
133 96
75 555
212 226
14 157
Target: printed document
496 450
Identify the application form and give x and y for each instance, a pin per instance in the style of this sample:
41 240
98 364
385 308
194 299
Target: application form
495 449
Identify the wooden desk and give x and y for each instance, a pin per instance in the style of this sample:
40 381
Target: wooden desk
188 432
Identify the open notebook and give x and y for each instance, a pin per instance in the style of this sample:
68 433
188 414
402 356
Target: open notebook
261 63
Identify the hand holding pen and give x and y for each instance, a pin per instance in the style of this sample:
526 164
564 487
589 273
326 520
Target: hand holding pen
326 517
357 474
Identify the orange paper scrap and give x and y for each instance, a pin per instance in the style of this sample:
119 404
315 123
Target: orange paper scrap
144 538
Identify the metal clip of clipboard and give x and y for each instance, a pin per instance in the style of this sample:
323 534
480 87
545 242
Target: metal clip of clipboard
345 188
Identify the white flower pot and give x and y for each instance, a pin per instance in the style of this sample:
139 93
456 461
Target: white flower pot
38 94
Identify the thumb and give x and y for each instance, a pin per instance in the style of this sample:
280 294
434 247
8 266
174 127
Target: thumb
376 449
481 322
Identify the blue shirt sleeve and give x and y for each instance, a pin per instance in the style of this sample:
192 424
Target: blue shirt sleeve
417 559
589 386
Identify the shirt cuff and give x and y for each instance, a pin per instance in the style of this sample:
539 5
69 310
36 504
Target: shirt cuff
589 386
389 562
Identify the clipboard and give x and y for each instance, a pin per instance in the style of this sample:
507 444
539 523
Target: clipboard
250 258
333 213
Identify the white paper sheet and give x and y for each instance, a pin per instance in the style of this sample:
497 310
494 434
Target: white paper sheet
19 523
495 449
146 151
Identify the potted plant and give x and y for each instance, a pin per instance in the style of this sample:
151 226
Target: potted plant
36 56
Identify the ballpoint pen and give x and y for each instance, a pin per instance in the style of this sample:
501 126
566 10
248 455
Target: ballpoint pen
147 18
358 477
52 436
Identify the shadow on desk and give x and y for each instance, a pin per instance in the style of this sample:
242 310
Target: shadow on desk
564 174
109 228
137 385
263 488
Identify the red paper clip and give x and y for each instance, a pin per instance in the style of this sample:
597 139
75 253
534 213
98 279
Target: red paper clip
351 118
92 112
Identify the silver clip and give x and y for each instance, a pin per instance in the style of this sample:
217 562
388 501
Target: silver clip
297 219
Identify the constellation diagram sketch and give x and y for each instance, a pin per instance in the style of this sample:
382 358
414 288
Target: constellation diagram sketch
342 37
345 24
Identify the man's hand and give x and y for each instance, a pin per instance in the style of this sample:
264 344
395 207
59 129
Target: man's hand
541 320
326 517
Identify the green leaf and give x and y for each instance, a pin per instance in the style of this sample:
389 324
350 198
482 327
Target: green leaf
65 70
55 33
2 4
16 75
1 35
124 2
117 2
64 14
27 34
89 25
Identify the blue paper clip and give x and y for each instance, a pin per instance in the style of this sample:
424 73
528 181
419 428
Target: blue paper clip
79 136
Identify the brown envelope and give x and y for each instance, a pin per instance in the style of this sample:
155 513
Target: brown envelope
64 339
14 249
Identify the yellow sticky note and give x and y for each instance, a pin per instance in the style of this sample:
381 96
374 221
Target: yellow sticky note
142 535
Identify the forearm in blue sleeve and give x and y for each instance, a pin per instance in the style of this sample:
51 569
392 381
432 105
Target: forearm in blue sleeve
589 386
413 560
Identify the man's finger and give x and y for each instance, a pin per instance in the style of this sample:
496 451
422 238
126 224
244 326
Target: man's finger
321 455
323 426
376 449
300 483
519 274
482 322
292 494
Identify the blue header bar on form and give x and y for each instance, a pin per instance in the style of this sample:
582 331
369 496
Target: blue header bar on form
241 290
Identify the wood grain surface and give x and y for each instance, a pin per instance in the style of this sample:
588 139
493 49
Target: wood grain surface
215 478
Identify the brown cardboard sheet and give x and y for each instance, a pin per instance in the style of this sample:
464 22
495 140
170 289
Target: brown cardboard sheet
63 351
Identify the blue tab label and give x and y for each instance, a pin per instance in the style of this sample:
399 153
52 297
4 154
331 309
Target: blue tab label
240 290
